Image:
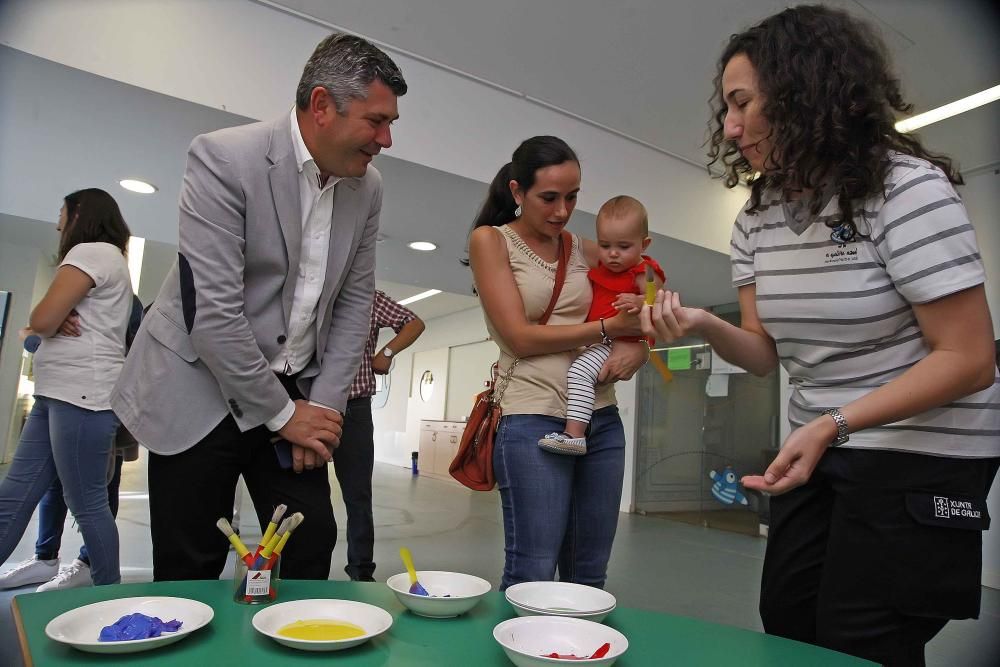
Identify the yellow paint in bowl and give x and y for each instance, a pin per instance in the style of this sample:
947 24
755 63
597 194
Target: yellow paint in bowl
321 630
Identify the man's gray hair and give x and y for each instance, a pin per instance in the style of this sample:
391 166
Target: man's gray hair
345 65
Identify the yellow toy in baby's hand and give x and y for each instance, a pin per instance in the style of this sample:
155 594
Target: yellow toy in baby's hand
650 285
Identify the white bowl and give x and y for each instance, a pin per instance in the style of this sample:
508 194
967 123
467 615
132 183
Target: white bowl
464 591
81 627
559 598
527 640
596 617
373 620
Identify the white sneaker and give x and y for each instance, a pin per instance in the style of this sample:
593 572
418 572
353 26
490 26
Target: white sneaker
31 571
561 443
74 575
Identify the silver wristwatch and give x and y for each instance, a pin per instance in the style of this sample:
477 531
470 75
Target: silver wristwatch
387 352
841 421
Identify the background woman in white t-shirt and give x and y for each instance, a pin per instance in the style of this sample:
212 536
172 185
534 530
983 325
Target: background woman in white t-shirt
70 431
858 270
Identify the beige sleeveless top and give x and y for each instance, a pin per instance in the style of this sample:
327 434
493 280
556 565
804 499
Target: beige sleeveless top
538 385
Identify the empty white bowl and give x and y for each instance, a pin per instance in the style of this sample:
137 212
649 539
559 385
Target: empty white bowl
559 598
464 591
81 627
528 639
373 620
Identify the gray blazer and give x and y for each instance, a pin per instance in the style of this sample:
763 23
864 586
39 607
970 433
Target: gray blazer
202 350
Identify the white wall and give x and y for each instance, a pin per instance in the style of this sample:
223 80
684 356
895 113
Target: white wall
982 199
393 442
19 266
981 195
157 260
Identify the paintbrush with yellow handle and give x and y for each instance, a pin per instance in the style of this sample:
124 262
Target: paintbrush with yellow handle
296 520
268 550
650 285
234 539
279 512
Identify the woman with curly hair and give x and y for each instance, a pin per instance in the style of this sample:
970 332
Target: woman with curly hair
857 270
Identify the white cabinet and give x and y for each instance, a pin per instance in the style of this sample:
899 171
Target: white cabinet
438 445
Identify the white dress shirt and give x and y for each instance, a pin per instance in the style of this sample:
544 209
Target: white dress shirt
317 215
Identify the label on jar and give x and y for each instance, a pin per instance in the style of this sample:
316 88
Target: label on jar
258 582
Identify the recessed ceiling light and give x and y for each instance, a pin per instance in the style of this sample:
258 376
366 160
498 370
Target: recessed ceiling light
142 187
948 110
418 297
426 246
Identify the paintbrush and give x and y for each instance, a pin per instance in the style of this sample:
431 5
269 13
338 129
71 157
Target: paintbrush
234 539
650 285
416 588
279 512
296 520
268 550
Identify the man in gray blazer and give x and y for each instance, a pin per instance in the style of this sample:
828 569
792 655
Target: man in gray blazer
244 362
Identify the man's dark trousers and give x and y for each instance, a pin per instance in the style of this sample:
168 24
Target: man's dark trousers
353 462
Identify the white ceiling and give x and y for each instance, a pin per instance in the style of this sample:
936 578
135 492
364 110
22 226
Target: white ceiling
639 67
427 309
644 67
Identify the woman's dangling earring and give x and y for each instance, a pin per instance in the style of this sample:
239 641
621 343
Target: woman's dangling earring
517 211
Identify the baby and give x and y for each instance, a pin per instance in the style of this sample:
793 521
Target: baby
622 236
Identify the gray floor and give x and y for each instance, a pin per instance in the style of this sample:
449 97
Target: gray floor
657 564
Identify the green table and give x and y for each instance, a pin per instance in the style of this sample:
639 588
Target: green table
654 639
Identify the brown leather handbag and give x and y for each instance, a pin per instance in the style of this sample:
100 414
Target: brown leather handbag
473 464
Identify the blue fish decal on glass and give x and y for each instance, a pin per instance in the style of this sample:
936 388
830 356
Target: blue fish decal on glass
726 489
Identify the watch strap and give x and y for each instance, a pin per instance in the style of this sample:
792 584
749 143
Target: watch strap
843 434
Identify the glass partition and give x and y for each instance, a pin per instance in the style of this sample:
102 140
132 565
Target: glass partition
701 425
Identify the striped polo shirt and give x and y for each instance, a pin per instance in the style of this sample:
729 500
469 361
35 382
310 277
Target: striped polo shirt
841 315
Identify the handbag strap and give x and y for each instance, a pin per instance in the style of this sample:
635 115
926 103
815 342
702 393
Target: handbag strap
565 249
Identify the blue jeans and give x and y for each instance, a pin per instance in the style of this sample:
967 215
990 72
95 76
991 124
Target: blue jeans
63 441
558 510
52 516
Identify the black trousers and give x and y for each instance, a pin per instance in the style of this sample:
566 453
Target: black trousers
188 492
353 462
857 562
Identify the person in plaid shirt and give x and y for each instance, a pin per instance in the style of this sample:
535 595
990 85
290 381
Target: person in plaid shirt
354 459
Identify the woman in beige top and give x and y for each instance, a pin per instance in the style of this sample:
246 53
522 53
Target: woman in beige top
558 510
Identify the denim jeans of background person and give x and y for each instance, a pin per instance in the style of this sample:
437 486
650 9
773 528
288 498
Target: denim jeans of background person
566 506
43 568
52 512
74 443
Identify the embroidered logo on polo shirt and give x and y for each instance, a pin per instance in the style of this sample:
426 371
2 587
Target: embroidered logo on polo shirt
843 233
841 254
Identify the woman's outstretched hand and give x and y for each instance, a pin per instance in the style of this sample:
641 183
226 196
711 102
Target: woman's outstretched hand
667 320
795 463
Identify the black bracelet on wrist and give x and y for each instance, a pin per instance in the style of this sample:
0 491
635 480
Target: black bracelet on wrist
605 339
